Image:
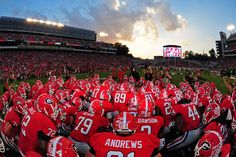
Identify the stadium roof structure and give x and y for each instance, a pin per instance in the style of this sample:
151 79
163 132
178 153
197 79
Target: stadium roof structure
171 46
45 27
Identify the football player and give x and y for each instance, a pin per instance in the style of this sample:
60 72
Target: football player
11 125
209 145
37 127
187 128
123 141
148 123
61 147
87 124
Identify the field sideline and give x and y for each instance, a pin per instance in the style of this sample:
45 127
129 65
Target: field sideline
176 79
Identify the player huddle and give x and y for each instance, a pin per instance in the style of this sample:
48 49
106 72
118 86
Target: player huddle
90 117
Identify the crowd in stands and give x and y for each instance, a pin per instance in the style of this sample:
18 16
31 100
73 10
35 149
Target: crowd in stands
24 65
180 63
46 40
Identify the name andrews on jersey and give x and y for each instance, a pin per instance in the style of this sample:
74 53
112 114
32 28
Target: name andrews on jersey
123 143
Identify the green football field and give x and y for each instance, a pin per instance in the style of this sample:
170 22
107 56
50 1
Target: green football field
176 79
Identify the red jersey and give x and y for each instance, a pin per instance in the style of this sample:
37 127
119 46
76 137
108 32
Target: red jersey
110 144
121 100
67 110
165 106
14 119
150 125
216 126
190 116
33 123
87 125
225 150
97 91
78 93
147 95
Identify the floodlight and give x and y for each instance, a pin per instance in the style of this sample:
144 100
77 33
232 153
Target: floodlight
29 20
48 22
35 20
103 34
231 28
41 21
60 25
45 22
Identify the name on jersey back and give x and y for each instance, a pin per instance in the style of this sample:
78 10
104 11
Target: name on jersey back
123 143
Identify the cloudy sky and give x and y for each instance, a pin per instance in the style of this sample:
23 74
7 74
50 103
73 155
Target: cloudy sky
143 25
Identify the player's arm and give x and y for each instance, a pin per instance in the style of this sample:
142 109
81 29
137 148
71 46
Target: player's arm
43 142
157 111
8 130
179 123
91 153
161 133
156 153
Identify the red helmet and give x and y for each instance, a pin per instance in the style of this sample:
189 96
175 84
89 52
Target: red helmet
105 95
200 91
170 86
163 94
131 80
96 107
149 84
62 95
52 78
175 93
196 85
124 87
46 103
21 92
60 81
145 109
211 112
124 123
27 86
39 83
204 101
125 78
142 80
217 98
209 145
134 100
78 103
19 105
61 146
183 86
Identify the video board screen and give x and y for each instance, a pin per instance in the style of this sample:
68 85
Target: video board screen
172 51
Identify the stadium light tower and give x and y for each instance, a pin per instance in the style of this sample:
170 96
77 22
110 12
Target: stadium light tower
231 28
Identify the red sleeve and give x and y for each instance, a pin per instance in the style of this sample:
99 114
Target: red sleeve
48 127
154 141
95 140
15 120
175 110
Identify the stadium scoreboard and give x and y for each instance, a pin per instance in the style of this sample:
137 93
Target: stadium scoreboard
172 51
